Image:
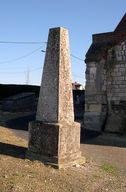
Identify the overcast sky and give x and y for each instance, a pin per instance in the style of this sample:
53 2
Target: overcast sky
30 20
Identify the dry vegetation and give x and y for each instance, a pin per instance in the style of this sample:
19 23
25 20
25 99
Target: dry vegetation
18 174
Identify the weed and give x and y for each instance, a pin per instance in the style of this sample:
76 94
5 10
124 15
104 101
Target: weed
110 169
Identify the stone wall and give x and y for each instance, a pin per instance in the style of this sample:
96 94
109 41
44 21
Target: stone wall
105 91
95 96
116 88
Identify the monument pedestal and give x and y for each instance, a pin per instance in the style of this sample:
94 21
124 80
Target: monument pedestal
57 144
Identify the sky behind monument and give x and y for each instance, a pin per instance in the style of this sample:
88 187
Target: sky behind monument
30 20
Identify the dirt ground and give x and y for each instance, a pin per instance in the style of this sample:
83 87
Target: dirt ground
18 174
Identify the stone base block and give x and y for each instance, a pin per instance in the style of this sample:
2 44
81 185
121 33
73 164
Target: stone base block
57 144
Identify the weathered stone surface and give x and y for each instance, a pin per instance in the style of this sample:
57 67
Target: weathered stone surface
54 136
95 107
55 100
115 123
54 143
108 82
117 117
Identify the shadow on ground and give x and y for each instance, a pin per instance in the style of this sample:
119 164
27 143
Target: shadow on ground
101 138
12 150
20 123
87 136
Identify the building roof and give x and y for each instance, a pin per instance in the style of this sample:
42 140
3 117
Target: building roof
104 41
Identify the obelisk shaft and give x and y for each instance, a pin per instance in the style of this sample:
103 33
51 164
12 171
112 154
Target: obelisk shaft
55 99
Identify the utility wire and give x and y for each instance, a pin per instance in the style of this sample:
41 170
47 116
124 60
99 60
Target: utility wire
32 70
13 73
18 72
18 42
76 57
29 42
21 57
26 55
70 54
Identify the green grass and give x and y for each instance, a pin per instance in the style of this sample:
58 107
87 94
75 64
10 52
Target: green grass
110 169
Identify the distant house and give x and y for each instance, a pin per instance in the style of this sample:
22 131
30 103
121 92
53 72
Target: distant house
76 86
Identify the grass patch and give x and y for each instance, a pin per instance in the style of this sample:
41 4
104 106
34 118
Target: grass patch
110 169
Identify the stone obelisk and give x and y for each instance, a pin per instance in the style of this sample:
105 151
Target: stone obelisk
54 137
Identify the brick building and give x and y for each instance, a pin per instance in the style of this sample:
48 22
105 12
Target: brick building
105 91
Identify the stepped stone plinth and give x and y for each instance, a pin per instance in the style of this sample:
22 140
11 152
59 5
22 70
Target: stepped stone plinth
54 137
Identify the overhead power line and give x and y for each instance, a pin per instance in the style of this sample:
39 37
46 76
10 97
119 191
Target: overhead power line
20 72
35 69
30 53
19 42
76 57
21 57
13 73
70 54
